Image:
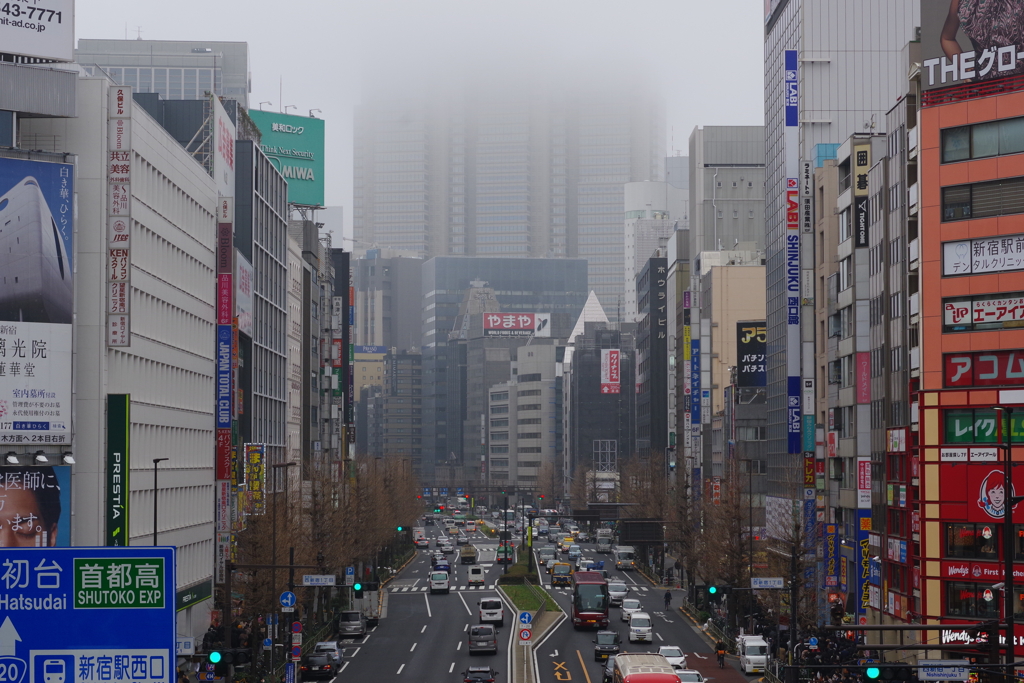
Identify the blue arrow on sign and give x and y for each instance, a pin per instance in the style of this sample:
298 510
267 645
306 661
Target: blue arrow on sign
812 641
288 599
525 618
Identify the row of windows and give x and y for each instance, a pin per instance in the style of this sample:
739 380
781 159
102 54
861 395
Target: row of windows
503 249
981 200
982 140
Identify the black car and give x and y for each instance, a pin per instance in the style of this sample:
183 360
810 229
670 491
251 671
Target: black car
609 670
607 645
479 674
317 665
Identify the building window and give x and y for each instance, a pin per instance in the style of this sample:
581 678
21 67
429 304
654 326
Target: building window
845 274
503 396
971 600
499 410
751 433
972 541
994 138
500 462
500 423
498 450
982 200
845 232
499 436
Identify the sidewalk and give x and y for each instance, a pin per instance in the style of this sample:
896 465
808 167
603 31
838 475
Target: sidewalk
523 662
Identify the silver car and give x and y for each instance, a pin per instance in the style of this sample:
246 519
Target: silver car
616 592
630 605
352 625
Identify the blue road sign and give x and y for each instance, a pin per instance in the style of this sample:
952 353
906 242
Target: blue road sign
444 490
85 615
350 571
289 672
812 641
287 599
525 618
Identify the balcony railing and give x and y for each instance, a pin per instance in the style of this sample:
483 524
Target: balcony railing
970 91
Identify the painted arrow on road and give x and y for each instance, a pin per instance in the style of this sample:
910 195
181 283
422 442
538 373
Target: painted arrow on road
553 654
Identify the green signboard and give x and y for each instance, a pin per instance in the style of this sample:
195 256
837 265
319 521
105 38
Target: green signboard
978 425
190 596
295 145
108 582
118 411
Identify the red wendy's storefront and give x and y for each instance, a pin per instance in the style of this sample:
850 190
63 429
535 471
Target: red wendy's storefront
963 501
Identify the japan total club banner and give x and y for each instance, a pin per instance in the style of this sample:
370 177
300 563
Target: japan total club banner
610 371
36 301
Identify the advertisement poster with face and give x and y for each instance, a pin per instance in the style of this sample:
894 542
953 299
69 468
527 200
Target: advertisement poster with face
35 507
36 301
971 41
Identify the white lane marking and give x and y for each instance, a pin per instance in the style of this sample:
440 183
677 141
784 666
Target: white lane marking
459 646
462 588
698 656
343 666
465 628
411 649
553 654
428 605
657 634
400 668
627 575
468 611
424 629
451 668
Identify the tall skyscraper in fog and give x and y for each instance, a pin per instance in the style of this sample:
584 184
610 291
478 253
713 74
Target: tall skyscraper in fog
498 170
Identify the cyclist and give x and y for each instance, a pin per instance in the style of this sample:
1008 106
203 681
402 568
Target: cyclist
668 599
720 651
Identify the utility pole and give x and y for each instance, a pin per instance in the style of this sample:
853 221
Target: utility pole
506 534
1004 441
792 602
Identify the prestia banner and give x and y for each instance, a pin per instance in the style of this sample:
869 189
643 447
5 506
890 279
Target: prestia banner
970 41
36 299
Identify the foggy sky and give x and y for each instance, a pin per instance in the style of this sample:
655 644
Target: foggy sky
704 58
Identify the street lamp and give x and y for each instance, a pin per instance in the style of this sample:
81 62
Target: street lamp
156 490
1003 442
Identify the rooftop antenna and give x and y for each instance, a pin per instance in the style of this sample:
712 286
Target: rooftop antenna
139 30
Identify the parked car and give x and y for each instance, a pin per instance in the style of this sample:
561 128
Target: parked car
317 665
479 674
483 638
607 644
351 624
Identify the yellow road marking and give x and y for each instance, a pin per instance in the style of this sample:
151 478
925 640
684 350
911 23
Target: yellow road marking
583 666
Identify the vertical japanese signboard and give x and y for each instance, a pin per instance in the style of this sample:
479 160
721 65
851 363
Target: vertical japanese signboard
118 467
225 382
861 166
36 301
831 556
792 250
751 344
119 215
610 371
256 477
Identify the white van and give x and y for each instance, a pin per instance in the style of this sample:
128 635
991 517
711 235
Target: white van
492 610
477 575
753 653
440 583
641 628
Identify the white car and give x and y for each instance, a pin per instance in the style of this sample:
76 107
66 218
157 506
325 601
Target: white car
440 582
492 610
476 575
641 628
674 655
617 592
689 676
629 606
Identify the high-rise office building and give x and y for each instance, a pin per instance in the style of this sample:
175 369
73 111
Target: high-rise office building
654 211
506 170
817 54
176 69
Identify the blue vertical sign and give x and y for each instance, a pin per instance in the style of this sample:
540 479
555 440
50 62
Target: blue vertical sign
224 388
88 615
792 248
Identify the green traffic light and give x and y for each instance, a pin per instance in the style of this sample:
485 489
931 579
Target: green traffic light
398 528
872 672
214 657
713 589
358 587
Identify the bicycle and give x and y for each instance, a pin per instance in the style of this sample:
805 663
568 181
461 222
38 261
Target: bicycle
721 660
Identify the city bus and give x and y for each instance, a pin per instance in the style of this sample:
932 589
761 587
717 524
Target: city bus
643 668
589 600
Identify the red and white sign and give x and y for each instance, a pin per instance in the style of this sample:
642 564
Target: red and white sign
863 377
863 482
1003 309
983 368
525 635
224 299
517 324
610 371
976 571
833 450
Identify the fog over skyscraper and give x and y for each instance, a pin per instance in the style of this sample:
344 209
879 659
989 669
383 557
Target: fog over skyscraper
496 166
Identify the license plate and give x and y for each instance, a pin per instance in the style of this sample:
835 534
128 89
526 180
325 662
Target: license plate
316 668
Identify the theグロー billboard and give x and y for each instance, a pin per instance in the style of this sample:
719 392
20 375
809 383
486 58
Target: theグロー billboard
971 40
36 300
295 145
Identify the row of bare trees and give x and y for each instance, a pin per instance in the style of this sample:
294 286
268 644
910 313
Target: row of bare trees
709 536
329 521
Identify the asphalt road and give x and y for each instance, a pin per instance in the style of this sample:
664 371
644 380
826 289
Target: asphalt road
423 637
568 655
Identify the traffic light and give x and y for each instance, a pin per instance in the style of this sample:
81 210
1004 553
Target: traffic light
358 590
242 656
872 673
890 673
222 661
398 528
